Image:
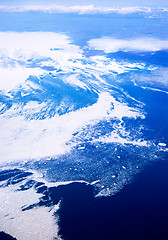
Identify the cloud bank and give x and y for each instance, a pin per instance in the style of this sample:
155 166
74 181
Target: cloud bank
80 9
21 57
111 45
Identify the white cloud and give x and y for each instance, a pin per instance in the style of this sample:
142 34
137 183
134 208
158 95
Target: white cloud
109 45
11 77
81 9
26 53
18 51
40 44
